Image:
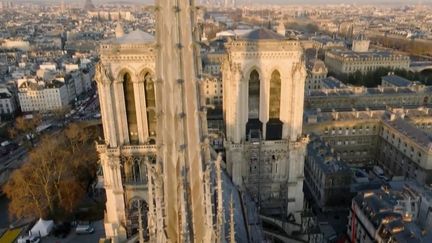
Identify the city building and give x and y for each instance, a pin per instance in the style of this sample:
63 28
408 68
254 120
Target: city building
347 97
396 139
37 95
327 177
316 71
391 215
339 61
8 105
263 89
213 91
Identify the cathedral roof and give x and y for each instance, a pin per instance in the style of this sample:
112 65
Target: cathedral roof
262 34
135 37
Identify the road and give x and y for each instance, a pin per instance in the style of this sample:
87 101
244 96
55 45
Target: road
4 217
73 238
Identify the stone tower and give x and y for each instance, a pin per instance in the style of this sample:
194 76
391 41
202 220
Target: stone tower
155 154
263 86
126 81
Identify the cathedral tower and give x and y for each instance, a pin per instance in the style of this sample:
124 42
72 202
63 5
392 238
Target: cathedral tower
126 84
263 86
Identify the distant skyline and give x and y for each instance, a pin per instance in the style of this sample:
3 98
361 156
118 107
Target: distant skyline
288 2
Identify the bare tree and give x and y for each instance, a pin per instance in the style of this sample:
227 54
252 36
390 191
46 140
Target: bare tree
56 175
26 126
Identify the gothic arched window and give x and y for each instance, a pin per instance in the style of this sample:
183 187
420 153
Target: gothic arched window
253 125
137 211
275 95
130 108
150 104
254 95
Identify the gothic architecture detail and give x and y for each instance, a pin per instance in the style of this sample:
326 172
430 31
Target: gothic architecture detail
263 85
161 183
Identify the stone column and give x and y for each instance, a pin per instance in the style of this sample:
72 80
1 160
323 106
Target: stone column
140 106
122 124
110 119
115 209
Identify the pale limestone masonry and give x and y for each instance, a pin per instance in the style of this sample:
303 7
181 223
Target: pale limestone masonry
263 86
124 161
155 155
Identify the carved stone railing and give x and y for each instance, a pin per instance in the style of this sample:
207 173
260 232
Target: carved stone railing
126 149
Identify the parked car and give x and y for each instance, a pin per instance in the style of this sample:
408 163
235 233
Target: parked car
29 239
84 229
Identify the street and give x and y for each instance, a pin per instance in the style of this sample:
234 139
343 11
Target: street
4 217
73 237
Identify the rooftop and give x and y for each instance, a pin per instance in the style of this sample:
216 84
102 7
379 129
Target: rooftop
134 37
261 34
324 157
409 130
397 80
365 55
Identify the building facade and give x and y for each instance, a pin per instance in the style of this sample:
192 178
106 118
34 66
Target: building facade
327 177
34 95
349 62
316 70
8 104
359 97
263 86
396 139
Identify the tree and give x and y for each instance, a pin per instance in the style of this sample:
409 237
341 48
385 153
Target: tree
26 126
60 114
56 175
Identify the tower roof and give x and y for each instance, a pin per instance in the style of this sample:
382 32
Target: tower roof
89 5
135 37
262 34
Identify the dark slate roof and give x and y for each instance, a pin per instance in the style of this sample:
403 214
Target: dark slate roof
397 80
262 34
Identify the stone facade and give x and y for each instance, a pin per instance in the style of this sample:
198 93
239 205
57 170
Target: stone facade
263 86
125 77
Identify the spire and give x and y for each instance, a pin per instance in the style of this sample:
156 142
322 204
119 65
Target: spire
220 211
88 6
181 155
232 222
281 29
119 31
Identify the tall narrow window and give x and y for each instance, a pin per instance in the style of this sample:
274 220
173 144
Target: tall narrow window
150 105
274 125
130 108
254 95
254 125
275 95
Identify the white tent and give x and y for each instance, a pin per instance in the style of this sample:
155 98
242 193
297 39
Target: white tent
42 228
